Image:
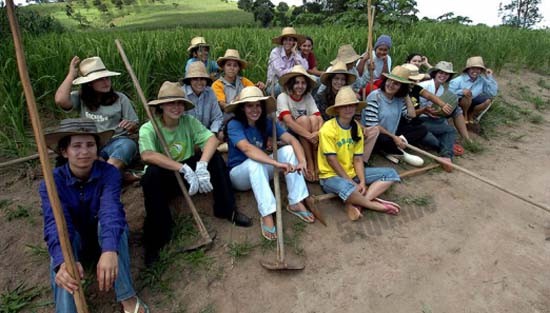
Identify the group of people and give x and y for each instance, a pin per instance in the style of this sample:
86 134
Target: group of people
327 130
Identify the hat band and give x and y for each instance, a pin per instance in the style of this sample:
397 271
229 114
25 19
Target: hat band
95 71
170 97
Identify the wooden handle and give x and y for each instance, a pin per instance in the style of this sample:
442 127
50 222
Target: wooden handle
60 223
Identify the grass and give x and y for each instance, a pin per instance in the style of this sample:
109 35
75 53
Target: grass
38 252
421 201
18 213
19 298
240 250
473 146
543 83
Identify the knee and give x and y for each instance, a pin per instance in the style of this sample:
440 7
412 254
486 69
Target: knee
286 154
304 121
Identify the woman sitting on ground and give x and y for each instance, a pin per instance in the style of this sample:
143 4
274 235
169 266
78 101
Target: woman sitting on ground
420 61
341 161
89 191
110 110
199 51
348 56
251 168
381 61
306 49
296 108
390 109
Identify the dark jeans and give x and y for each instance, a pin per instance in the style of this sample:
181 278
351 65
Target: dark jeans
413 130
160 186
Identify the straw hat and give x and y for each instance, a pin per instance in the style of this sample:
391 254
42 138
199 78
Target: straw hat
297 70
197 41
170 92
288 32
91 69
443 66
474 62
338 68
232 54
196 70
345 96
414 73
346 54
75 126
252 94
400 74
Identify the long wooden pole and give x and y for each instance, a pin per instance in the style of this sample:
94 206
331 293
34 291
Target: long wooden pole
369 47
371 61
61 225
196 216
23 159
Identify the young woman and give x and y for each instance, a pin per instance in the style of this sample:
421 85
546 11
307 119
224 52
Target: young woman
296 108
283 58
96 100
89 191
390 109
306 49
182 133
199 51
380 56
341 162
348 56
251 168
420 61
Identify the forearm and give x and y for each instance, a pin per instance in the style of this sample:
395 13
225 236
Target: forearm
359 169
338 169
209 149
160 160
410 107
63 93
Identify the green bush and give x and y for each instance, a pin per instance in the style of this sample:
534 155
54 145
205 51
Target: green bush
30 22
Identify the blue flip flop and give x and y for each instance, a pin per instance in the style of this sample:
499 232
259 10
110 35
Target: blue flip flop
300 214
270 230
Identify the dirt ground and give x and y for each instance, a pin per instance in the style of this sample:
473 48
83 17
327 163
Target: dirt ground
459 245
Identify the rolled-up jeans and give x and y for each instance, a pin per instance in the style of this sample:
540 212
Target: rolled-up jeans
440 136
64 301
122 148
256 176
344 188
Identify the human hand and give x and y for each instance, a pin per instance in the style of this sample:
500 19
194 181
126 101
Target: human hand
430 111
107 270
64 280
191 178
425 60
399 142
260 85
220 135
447 109
286 168
489 72
128 125
467 92
73 67
301 167
294 48
204 177
313 137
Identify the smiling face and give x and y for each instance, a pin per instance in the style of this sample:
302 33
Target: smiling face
381 51
338 81
474 72
231 69
172 110
198 85
306 47
441 77
101 85
299 87
81 152
392 87
202 53
416 60
252 111
288 43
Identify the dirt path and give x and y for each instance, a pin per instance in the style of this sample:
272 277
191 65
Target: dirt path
458 246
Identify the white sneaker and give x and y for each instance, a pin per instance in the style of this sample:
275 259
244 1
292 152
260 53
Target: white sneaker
394 158
412 159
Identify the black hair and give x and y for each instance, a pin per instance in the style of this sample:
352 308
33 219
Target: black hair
93 99
411 56
196 50
401 93
62 146
290 83
355 131
309 38
433 73
261 123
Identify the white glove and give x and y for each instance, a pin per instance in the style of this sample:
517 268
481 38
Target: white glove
204 177
191 178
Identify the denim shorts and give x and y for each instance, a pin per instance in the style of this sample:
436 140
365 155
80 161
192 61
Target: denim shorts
479 100
121 148
344 188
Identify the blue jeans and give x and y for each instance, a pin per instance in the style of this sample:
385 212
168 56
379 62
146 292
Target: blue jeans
121 148
64 301
344 188
441 135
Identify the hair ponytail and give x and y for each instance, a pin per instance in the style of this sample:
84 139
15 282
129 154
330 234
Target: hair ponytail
355 131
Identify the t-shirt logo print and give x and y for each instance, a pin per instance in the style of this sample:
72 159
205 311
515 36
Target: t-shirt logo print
177 150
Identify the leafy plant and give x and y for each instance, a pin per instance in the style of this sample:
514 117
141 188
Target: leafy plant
15 300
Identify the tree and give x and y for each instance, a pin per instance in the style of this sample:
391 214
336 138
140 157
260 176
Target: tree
281 16
263 11
245 5
520 13
451 18
395 11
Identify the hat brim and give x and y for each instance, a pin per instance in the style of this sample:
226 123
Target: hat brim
326 77
270 103
286 77
398 78
483 68
191 47
188 104
279 39
435 69
350 59
187 80
221 61
331 110
417 77
53 138
93 76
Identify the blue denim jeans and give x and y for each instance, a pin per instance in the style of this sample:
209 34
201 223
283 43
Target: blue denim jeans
441 136
121 148
64 301
344 188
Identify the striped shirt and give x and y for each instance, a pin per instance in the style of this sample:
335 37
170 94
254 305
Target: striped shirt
384 112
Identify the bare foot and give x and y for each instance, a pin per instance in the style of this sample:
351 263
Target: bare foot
268 227
310 204
446 165
354 213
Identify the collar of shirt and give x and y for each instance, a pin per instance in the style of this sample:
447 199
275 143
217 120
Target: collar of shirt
282 53
71 180
234 85
191 94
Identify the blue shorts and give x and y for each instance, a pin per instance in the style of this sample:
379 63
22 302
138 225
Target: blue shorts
344 188
121 148
479 100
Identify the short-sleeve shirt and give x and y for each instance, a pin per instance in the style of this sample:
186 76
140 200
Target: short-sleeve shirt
107 117
226 91
236 132
296 108
181 141
383 111
336 140
311 60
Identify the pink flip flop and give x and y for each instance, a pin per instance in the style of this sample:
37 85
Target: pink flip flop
382 201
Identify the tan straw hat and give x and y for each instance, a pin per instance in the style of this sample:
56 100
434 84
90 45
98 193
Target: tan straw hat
170 92
338 68
252 94
288 32
345 96
297 70
232 54
414 73
400 74
476 61
197 41
346 54
75 126
443 66
196 70
91 69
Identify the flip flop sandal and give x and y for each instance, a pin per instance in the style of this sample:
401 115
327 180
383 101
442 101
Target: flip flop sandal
300 214
390 209
458 150
268 230
139 304
382 201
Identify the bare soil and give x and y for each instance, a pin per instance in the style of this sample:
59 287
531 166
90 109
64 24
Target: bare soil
459 245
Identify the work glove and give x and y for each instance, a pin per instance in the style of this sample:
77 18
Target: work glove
191 178
204 177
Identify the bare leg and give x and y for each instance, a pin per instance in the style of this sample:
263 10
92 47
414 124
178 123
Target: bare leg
377 188
358 199
460 125
370 139
465 104
116 163
316 124
305 122
479 110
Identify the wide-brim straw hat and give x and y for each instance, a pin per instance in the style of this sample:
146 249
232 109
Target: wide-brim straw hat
233 55
75 126
346 54
338 68
414 72
476 61
91 69
196 70
297 70
252 94
288 32
400 74
443 66
345 96
197 41
170 92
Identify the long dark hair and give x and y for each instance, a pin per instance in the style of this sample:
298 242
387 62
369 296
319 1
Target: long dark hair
433 73
290 83
261 123
401 93
93 99
355 131
62 146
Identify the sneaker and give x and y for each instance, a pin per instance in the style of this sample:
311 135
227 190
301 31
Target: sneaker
394 158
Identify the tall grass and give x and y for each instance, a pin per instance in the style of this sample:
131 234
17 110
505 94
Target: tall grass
160 55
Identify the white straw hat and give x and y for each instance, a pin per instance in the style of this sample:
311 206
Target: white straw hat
91 69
